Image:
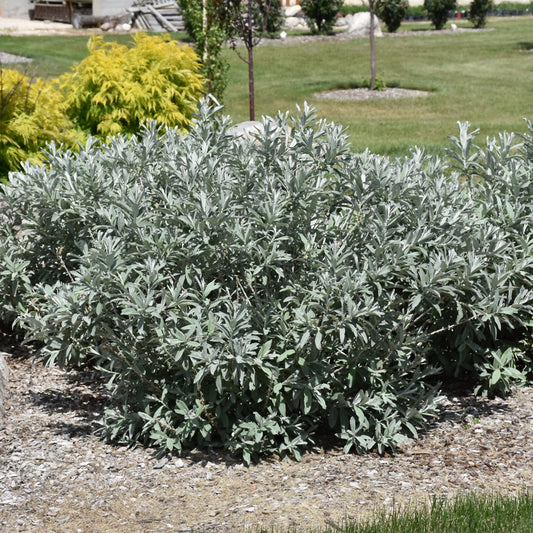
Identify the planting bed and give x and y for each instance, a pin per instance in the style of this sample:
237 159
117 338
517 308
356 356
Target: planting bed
57 476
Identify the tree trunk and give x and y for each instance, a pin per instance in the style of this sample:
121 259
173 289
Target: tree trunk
372 47
205 29
250 46
251 88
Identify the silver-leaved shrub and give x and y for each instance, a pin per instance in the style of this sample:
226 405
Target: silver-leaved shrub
256 293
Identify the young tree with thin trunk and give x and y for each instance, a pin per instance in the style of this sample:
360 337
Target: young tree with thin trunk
372 46
247 22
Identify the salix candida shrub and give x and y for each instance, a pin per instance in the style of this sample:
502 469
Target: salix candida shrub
256 293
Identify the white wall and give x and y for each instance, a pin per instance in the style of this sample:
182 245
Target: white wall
14 8
110 7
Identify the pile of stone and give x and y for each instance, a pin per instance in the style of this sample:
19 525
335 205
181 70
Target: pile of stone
295 19
357 24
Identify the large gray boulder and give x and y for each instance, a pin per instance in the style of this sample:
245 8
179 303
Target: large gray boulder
4 375
293 19
358 24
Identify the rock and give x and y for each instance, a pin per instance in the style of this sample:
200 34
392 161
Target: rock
359 24
247 128
4 375
295 23
292 11
341 23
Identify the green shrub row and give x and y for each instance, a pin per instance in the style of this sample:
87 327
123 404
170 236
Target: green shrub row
393 12
257 293
513 6
420 11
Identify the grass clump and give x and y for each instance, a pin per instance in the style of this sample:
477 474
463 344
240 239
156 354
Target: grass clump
467 513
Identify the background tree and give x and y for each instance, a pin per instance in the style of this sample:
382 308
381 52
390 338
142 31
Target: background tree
391 12
321 14
247 22
371 5
477 14
206 25
437 11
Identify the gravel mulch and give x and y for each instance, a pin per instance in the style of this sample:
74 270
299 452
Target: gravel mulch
12 58
57 476
366 94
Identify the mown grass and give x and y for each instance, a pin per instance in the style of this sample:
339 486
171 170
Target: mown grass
485 78
54 55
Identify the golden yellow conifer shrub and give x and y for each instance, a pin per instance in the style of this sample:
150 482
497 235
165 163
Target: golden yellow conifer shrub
117 87
32 113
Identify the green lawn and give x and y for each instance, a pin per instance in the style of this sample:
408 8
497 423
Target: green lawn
485 78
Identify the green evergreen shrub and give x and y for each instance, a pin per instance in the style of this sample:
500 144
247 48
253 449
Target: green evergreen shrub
438 10
254 293
117 88
208 31
321 14
351 10
274 15
391 12
32 114
478 11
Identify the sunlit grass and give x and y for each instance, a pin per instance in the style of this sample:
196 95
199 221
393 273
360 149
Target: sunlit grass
479 77
485 78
